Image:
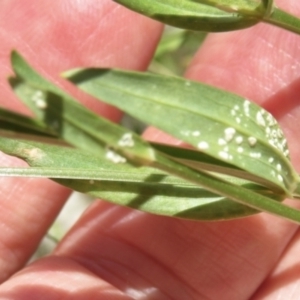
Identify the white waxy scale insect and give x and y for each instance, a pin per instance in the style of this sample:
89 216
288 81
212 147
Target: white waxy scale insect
37 96
255 154
203 145
222 142
229 133
260 119
247 107
115 157
42 104
238 120
274 135
239 140
39 99
252 141
240 149
225 155
196 133
280 178
126 140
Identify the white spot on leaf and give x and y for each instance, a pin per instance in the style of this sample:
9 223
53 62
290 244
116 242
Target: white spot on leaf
224 155
280 178
229 133
39 99
203 145
260 119
255 154
115 157
252 141
239 140
222 142
247 107
240 149
126 140
41 104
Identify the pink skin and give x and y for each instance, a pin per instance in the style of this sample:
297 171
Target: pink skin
117 253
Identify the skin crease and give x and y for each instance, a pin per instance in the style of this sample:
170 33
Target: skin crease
117 253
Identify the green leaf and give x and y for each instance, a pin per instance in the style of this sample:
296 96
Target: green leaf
247 7
136 150
72 121
284 20
143 188
14 122
214 15
175 51
170 42
218 123
191 14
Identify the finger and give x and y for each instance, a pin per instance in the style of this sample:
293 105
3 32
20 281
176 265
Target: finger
284 280
46 279
171 258
28 207
54 37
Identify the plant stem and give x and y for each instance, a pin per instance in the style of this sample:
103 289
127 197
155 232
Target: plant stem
284 20
226 189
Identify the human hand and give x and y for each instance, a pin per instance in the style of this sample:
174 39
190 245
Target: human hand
117 253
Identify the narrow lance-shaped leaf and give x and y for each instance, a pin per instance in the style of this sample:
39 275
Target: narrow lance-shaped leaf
15 122
144 188
218 123
256 8
79 126
214 15
283 19
73 122
36 156
191 15
137 150
140 188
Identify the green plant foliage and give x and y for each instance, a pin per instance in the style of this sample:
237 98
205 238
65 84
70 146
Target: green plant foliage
175 51
214 15
118 146
240 162
190 15
144 188
221 124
